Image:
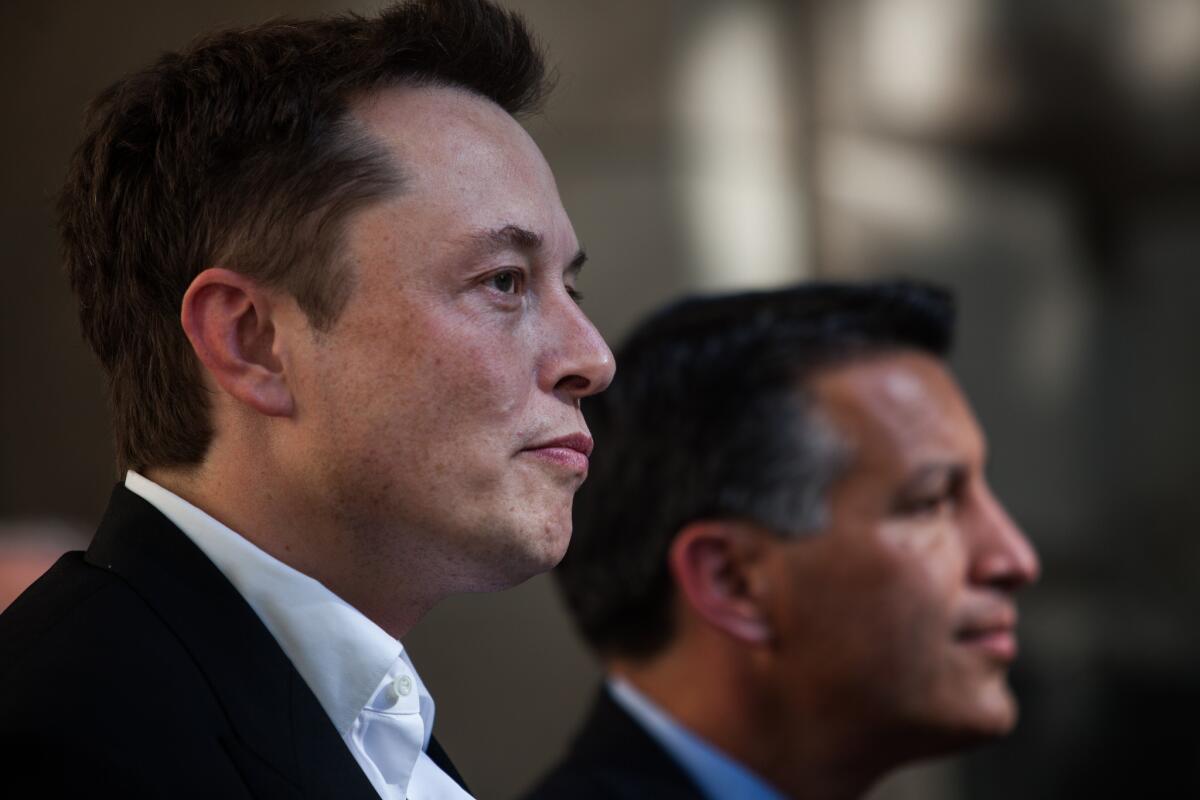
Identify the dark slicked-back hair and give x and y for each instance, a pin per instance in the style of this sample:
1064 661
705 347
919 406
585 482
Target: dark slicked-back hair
240 152
709 418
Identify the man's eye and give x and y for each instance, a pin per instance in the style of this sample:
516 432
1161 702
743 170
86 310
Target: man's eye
508 282
929 504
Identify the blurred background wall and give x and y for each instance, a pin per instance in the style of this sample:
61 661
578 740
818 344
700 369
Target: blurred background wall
1041 158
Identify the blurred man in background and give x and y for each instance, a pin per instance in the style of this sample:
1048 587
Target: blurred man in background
332 285
28 548
788 557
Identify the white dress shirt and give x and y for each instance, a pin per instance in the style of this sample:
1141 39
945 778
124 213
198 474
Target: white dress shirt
717 775
359 674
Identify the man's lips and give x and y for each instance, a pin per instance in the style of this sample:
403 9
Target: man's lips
995 636
570 451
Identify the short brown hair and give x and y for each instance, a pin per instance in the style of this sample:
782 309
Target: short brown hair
240 151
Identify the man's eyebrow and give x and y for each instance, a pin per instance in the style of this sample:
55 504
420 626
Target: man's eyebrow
508 237
577 263
514 237
948 471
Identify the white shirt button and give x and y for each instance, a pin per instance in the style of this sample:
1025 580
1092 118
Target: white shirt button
402 686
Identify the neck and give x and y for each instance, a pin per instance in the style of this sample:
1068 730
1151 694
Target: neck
801 755
290 527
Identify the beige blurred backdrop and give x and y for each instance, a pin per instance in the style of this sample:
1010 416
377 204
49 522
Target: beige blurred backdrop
1041 158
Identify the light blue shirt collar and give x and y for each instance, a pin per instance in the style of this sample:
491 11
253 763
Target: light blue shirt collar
718 776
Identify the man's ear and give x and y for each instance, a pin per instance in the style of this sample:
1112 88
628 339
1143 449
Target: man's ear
719 567
227 317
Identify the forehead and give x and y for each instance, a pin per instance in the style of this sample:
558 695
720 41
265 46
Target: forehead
900 409
467 166
445 138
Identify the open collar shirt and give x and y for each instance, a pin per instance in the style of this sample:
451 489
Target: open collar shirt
361 675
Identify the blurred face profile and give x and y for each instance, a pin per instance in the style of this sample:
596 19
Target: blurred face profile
443 405
28 549
900 615
21 567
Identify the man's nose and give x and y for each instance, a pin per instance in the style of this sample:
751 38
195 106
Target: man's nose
1001 554
580 362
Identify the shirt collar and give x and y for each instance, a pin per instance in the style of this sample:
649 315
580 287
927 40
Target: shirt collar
340 654
716 774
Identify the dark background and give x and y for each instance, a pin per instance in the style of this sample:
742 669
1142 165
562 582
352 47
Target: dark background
1042 158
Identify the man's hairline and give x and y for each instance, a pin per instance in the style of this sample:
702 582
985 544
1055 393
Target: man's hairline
813 412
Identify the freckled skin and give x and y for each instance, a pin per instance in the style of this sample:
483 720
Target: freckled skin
867 610
414 409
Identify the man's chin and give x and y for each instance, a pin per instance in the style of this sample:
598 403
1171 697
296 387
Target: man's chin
1002 720
968 722
994 715
538 551
551 551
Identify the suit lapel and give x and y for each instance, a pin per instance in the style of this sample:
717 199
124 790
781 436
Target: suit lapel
613 742
316 740
438 756
273 711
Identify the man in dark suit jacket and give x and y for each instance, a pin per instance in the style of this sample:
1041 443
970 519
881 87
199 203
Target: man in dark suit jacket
332 286
787 556
179 691
614 758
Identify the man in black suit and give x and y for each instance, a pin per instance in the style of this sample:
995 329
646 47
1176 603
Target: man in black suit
332 285
787 556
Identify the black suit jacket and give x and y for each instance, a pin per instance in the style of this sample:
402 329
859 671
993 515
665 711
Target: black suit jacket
136 670
613 758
